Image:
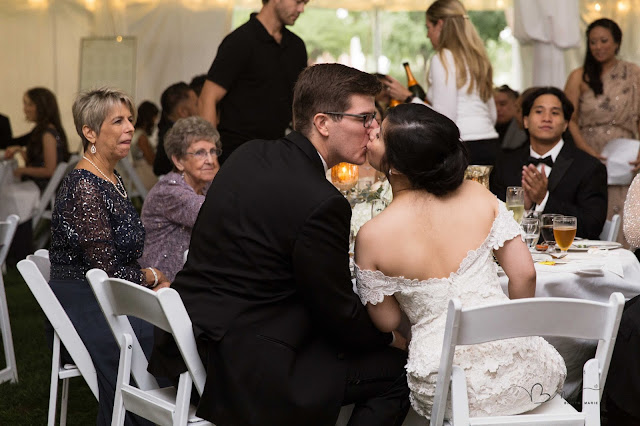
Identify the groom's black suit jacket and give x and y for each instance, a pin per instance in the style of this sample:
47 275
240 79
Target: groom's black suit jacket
268 288
577 185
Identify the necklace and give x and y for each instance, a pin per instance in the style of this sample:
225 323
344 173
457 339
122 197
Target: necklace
123 195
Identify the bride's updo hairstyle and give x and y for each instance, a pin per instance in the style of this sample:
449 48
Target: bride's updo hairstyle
425 146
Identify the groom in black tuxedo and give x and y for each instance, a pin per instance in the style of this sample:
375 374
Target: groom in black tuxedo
556 176
267 284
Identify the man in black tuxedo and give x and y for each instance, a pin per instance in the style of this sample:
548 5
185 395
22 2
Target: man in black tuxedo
267 284
556 176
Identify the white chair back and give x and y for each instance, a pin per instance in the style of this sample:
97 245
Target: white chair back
553 317
33 270
165 310
10 372
610 229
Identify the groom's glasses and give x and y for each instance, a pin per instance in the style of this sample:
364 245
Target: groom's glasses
367 119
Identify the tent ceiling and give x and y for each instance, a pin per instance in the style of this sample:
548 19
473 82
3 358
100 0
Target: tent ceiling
392 5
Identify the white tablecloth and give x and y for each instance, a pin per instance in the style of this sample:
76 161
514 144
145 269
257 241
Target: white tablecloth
603 274
19 198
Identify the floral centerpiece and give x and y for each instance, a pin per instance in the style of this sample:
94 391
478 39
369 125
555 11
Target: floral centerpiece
361 212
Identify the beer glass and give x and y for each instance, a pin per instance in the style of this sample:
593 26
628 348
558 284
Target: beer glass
564 231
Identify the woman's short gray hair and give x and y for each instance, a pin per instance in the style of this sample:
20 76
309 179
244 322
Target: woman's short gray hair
187 131
92 107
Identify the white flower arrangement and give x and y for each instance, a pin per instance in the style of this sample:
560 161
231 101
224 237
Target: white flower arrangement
361 212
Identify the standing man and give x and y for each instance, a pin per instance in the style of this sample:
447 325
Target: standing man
267 282
556 176
249 86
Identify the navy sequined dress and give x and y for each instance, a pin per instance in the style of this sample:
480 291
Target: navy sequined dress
93 226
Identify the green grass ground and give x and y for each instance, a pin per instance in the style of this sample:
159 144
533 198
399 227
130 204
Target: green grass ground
26 403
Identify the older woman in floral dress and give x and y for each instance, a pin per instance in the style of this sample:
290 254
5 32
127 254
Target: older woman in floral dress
171 207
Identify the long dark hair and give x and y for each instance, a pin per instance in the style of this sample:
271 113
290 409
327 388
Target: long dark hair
47 114
592 68
147 111
425 146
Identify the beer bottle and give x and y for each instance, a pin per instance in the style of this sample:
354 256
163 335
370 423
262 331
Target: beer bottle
394 102
412 83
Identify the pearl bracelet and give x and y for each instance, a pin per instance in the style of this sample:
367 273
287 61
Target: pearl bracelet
155 278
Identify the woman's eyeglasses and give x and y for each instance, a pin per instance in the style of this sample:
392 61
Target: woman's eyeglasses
202 154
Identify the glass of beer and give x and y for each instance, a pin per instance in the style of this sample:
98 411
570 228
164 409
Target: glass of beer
546 224
564 231
515 202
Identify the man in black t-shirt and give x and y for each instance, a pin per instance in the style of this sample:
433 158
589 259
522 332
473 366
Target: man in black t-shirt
249 88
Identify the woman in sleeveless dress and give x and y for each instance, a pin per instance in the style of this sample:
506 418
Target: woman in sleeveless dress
436 241
47 145
606 96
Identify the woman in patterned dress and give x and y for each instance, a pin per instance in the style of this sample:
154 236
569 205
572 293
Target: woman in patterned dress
605 95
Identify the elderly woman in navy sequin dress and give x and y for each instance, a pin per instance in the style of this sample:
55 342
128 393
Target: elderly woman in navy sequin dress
171 207
94 225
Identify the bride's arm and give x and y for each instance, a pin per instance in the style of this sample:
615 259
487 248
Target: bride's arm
515 259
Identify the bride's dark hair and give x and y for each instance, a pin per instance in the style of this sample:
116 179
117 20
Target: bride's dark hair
425 146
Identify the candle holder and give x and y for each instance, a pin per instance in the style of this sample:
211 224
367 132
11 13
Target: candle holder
344 176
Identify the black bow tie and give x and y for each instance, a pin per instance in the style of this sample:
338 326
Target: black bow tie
535 161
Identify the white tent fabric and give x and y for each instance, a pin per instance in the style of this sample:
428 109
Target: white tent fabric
551 26
40 46
177 39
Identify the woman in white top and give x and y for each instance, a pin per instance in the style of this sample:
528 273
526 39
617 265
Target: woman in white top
460 79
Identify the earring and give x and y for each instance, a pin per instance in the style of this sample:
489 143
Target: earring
93 148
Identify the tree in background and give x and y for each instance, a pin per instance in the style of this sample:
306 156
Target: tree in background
328 35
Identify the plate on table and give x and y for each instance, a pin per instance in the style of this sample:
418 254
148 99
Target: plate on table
585 245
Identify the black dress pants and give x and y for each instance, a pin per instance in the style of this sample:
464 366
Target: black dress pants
376 383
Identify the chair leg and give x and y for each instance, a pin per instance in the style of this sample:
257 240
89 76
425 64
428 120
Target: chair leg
181 412
7 338
591 393
64 402
124 374
53 391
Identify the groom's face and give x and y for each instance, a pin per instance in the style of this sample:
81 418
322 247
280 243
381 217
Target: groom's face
348 137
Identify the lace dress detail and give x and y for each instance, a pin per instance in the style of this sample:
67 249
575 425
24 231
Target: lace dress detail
504 377
92 226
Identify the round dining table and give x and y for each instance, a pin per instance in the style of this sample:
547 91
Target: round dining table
586 274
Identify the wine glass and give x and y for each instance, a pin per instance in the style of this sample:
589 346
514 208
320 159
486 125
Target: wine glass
564 231
546 228
531 228
515 202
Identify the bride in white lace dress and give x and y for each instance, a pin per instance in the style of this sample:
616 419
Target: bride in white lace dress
434 242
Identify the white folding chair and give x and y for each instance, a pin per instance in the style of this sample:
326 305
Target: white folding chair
610 229
164 309
529 317
35 271
44 209
10 372
134 183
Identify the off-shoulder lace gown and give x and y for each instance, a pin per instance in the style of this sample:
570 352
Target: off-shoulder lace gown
504 377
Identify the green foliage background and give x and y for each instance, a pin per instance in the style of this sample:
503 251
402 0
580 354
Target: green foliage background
403 36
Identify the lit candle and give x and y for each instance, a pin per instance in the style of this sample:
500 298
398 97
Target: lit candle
344 176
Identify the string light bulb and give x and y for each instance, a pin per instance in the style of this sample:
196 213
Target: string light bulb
597 7
622 6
